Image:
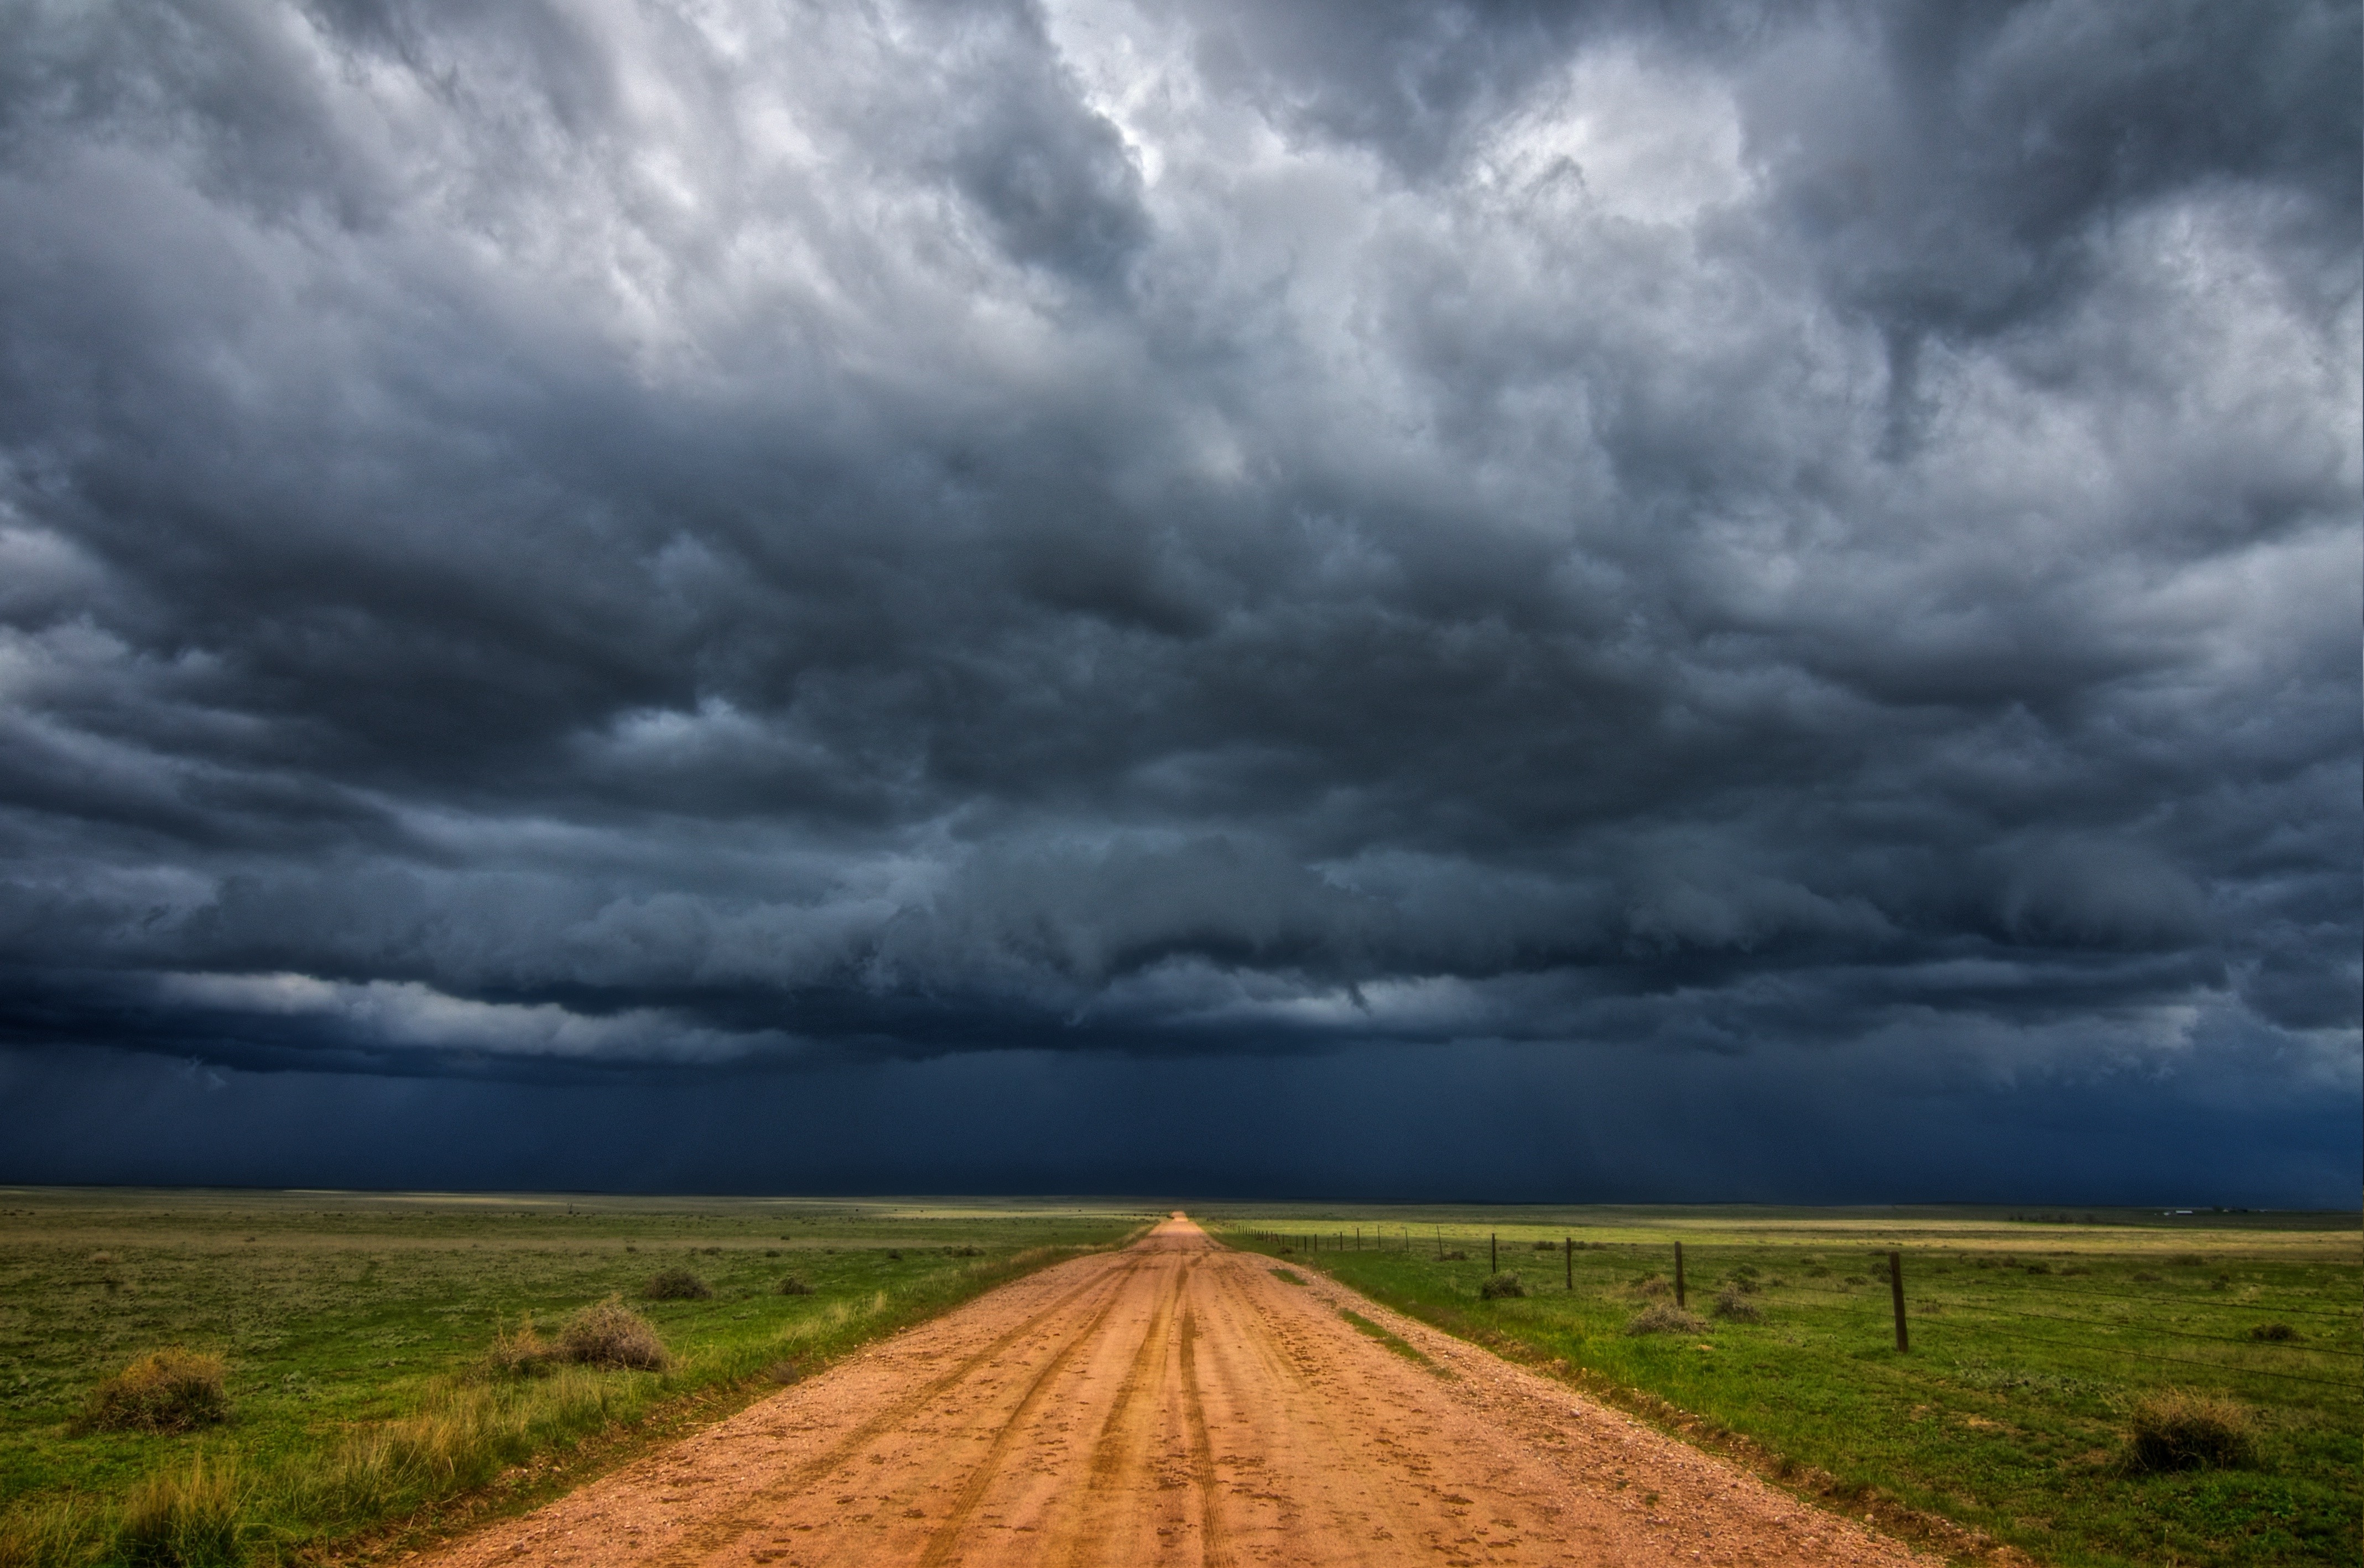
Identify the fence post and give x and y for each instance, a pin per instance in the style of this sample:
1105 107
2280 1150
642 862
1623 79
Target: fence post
1679 1274
1493 1253
1569 1253
1440 1244
1896 1290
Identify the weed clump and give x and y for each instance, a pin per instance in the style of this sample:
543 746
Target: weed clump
170 1390
612 1334
2273 1333
676 1285
1498 1286
1665 1317
792 1286
182 1520
1733 1302
2177 1430
522 1354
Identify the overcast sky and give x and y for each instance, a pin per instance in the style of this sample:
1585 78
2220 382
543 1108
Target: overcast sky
1482 600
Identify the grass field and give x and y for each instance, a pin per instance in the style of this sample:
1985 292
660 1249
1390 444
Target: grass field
355 1331
2034 1340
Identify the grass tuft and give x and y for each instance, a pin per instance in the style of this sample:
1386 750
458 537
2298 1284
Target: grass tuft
186 1518
676 1285
171 1390
1665 1317
2178 1429
609 1333
1733 1302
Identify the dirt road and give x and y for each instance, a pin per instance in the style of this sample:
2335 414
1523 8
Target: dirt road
1176 1404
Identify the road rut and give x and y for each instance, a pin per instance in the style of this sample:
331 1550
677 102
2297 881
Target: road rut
1175 1403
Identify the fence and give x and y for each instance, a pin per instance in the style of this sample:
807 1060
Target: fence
2268 1336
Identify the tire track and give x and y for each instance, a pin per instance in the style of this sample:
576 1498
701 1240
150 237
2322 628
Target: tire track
947 1537
722 1530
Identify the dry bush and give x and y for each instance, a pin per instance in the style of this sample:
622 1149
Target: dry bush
2177 1430
1733 1302
676 1285
792 1286
170 1390
1496 1286
184 1519
1665 1317
612 1334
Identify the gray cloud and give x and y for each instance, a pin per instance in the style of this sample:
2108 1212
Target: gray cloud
537 543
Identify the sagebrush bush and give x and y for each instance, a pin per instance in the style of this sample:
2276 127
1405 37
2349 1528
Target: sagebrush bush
1496 1286
1652 1286
676 1285
2177 1430
1666 1318
171 1390
1733 1302
611 1334
182 1519
792 1286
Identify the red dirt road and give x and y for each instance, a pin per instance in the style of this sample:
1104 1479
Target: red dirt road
1176 1404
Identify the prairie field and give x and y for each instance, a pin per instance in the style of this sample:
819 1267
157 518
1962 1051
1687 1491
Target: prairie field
2048 1352
367 1347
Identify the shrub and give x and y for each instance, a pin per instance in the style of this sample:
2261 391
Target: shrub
1496 1286
188 1519
170 1390
1733 1302
2273 1333
964 1252
1653 1285
676 1285
792 1286
2176 1429
1452 1257
612 1334
1547 1246
2039 1268
1665 1317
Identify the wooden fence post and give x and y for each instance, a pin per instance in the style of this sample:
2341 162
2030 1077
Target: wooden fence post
1679 1274
1569 1250
1493 1253
1896 1292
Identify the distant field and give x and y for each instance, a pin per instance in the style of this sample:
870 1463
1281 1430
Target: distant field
356 1328
2032 1340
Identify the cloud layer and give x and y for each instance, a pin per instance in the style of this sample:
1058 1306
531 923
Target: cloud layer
543 540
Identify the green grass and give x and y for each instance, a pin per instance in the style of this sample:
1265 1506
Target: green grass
356 1331
2032 1343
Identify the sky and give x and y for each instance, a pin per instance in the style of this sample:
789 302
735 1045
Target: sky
1496 601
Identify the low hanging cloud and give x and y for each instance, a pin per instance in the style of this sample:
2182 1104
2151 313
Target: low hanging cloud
536 539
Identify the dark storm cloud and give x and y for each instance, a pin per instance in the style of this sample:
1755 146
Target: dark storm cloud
535 542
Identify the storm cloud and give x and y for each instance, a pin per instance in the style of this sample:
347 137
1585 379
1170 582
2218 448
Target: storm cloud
571 544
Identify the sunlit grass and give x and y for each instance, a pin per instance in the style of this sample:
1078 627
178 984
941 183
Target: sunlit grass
2047 1358
384 1356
